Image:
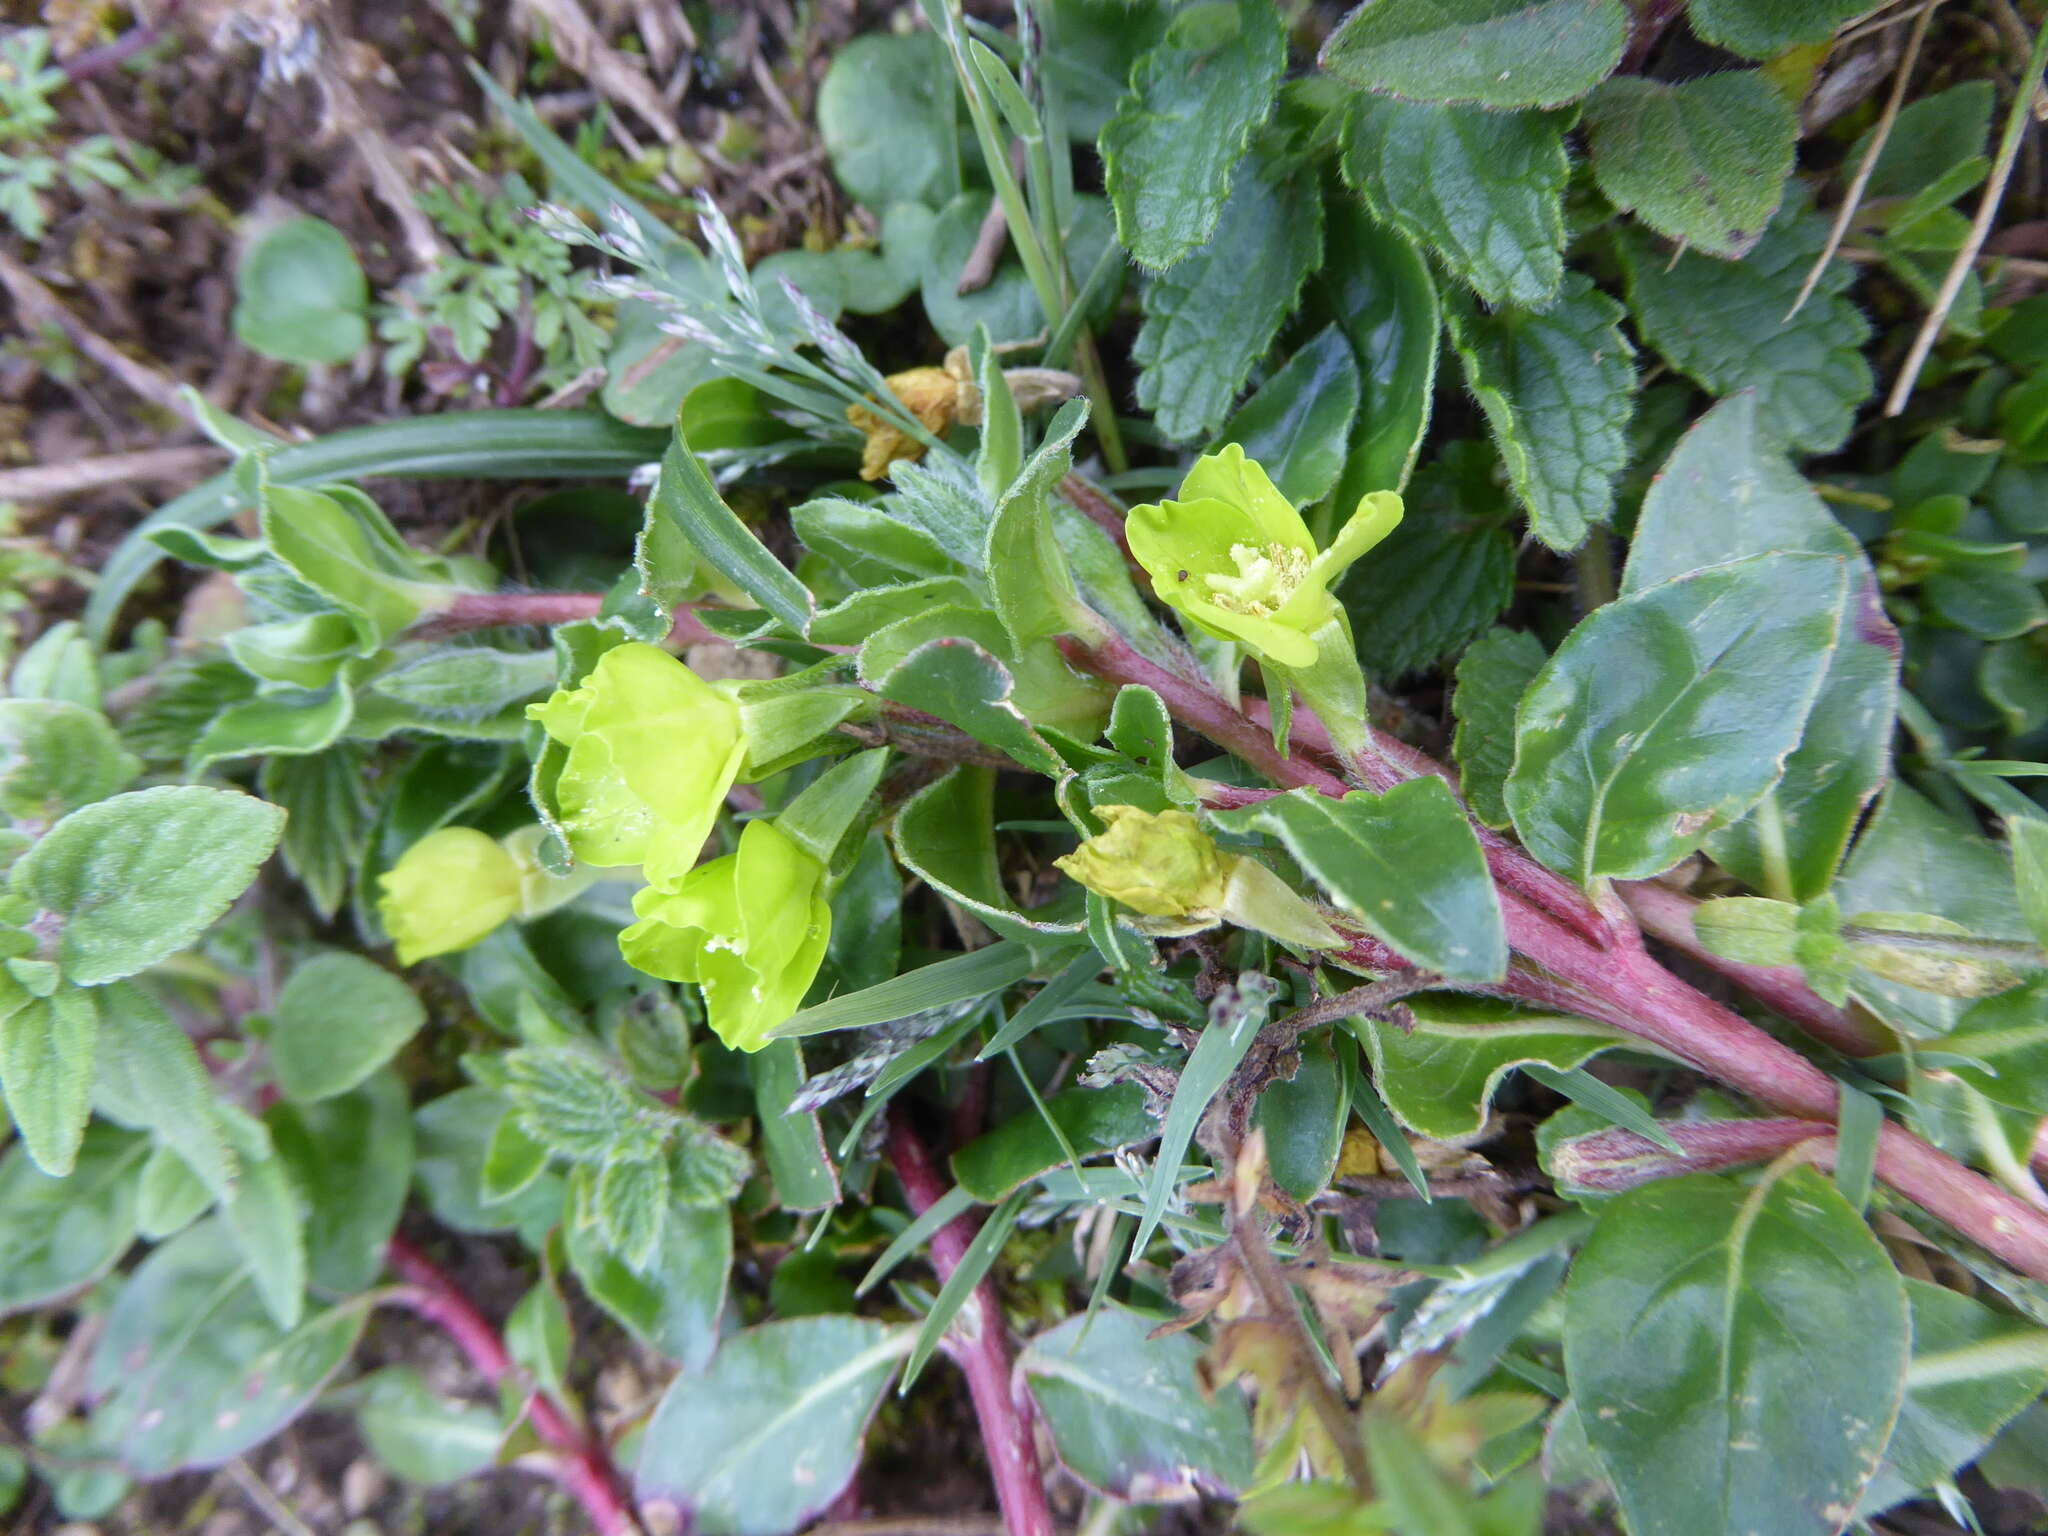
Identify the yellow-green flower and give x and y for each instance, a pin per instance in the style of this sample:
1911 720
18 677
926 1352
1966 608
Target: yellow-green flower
1165 867
750 929
652 750
1233 557
450 889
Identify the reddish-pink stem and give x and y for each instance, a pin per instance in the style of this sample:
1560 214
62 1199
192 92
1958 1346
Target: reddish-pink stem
583 1468
1615 1160
1624 987
496 610
1667 914
980 1344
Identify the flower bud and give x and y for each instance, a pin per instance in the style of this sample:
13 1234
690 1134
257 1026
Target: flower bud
1160 863
450 889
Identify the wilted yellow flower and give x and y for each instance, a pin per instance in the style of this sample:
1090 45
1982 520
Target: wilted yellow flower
1160 863
932 395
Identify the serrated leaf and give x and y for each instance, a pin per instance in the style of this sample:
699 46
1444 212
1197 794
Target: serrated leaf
1558 388
1382 297
1725 325
1738 1354
630 1205
193 1371
1128 1413
1498 53
138 877
1700 161
1439 1076
1726 491
327 819
1405 864
1484 190
1763 29
577 1109
1297 426
451 1137
767 1434
1669 713
339 1018
1493 674
1204 326
1194 100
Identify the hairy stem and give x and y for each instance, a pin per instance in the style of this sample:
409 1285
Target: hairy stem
497 610
584 1468
979 1344
1625 987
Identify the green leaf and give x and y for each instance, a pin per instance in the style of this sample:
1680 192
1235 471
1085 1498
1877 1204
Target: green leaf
1973 1369
1763 29
956 979
1090 1120
792 1144
1204 327
1440 1076
685 494
1727 491
966 686
675 1303
193 1371
1131 1416
1304 1119
1438 580
1236 1015
148 1076
973 1266
2029 837
1725 325
421 1435
1193 102
1492 677
767 1435
452 1136
56 757
1670 712
1914 858
263 1215
1498 53
507 444
538 1335
136 878
1406 864
576 1107
352 1155
46 1073
1484 190
1031 587
1297 426
300 294
885 113
327 819
1558 389
337 1020
1738 1354
58 1235
1380 293
1702 161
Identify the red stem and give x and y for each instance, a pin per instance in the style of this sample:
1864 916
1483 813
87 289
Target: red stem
1667 914
980 1344
1615 1160
1624 987
584 1468
496 610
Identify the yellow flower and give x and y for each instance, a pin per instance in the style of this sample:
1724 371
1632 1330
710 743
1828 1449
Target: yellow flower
932 395
1233 557
447 892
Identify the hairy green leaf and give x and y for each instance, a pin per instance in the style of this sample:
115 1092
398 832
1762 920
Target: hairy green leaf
1484 190
1497 53
1204 325
58 1235
1701 161
1763 29
339 1018
56 757
47 1047
1558 388
1194 100
1377 290
1298 424
1492 677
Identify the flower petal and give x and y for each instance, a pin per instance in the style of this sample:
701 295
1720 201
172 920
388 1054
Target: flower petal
1227 475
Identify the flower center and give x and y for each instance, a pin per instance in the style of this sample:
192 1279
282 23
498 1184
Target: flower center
1265 580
